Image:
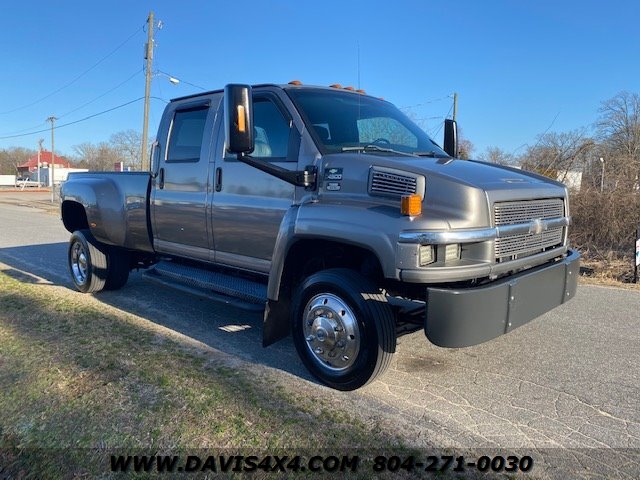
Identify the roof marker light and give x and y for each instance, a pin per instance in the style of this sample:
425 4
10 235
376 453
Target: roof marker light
295 82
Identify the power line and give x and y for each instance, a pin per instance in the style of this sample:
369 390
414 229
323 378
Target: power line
25 129
427 102
539 136
76 78
442 124
102 95
80 120
180 80
77 108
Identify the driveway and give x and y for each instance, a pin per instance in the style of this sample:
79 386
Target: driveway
564 388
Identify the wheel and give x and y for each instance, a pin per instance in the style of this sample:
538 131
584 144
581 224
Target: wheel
343 328
117 268
87 262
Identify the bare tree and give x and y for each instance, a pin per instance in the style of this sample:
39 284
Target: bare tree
128 145
465 146
498 156
556 154
618 125
97 157
11 157
618 129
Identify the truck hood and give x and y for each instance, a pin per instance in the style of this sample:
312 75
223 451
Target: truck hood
488 177
458 193
473 173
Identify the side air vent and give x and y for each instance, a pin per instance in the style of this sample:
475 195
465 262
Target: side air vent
389 182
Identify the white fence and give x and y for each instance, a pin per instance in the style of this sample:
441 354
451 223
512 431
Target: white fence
7 180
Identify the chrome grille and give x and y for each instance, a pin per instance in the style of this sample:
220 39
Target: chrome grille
386 183
522 245
528 242
506 213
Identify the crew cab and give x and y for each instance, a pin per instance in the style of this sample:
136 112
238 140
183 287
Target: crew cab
333 213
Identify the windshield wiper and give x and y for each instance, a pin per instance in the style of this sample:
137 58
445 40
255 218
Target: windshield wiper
429 154
375 148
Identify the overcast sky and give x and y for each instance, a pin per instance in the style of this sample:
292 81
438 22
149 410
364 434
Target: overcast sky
519 67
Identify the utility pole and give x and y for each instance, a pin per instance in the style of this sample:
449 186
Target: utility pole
455 105
148 55
52 167
39 157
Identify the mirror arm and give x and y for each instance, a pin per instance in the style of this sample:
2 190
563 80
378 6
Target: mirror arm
300 178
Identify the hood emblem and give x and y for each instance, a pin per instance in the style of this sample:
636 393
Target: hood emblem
514 180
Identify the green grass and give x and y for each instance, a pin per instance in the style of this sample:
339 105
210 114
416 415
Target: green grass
77 375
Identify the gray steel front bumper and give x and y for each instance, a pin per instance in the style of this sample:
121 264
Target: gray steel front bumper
469 316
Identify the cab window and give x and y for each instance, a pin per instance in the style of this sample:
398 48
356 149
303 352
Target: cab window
272 131
185 137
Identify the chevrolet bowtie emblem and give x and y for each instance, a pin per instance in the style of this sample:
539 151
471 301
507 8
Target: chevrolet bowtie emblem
536 227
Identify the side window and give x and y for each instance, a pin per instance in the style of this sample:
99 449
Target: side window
186 133
271 130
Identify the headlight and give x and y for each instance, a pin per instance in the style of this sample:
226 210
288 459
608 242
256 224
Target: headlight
452 252
426 255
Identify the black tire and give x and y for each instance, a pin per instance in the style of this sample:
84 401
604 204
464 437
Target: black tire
87 262
367 316
117 268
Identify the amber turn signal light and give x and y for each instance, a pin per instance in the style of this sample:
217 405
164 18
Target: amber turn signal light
411 205
241 120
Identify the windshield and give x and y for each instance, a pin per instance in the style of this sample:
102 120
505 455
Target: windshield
344 121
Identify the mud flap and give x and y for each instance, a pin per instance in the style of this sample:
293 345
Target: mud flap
276 324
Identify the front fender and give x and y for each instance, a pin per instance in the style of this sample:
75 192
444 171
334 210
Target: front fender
356 225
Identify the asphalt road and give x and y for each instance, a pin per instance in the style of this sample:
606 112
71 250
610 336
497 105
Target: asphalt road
566 386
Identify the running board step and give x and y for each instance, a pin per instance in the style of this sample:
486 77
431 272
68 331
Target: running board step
208 281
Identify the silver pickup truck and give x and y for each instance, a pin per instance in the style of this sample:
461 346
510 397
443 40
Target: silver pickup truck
335 214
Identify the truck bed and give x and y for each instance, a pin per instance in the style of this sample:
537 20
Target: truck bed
116 206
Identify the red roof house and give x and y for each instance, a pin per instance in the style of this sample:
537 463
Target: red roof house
45 160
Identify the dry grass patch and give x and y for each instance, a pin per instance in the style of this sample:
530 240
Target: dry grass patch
77 375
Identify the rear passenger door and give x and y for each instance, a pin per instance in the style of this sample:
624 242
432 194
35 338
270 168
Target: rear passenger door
248 204
181 187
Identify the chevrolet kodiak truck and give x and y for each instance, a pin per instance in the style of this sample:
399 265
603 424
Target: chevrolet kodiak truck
334 213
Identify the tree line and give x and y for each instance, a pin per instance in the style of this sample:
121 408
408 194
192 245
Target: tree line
124 146
605 210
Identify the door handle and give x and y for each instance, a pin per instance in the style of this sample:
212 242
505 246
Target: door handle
218 179
161 179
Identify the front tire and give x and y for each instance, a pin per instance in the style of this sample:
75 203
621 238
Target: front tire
87 262
343 328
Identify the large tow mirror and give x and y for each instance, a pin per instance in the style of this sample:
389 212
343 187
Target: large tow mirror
238 118
451 138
